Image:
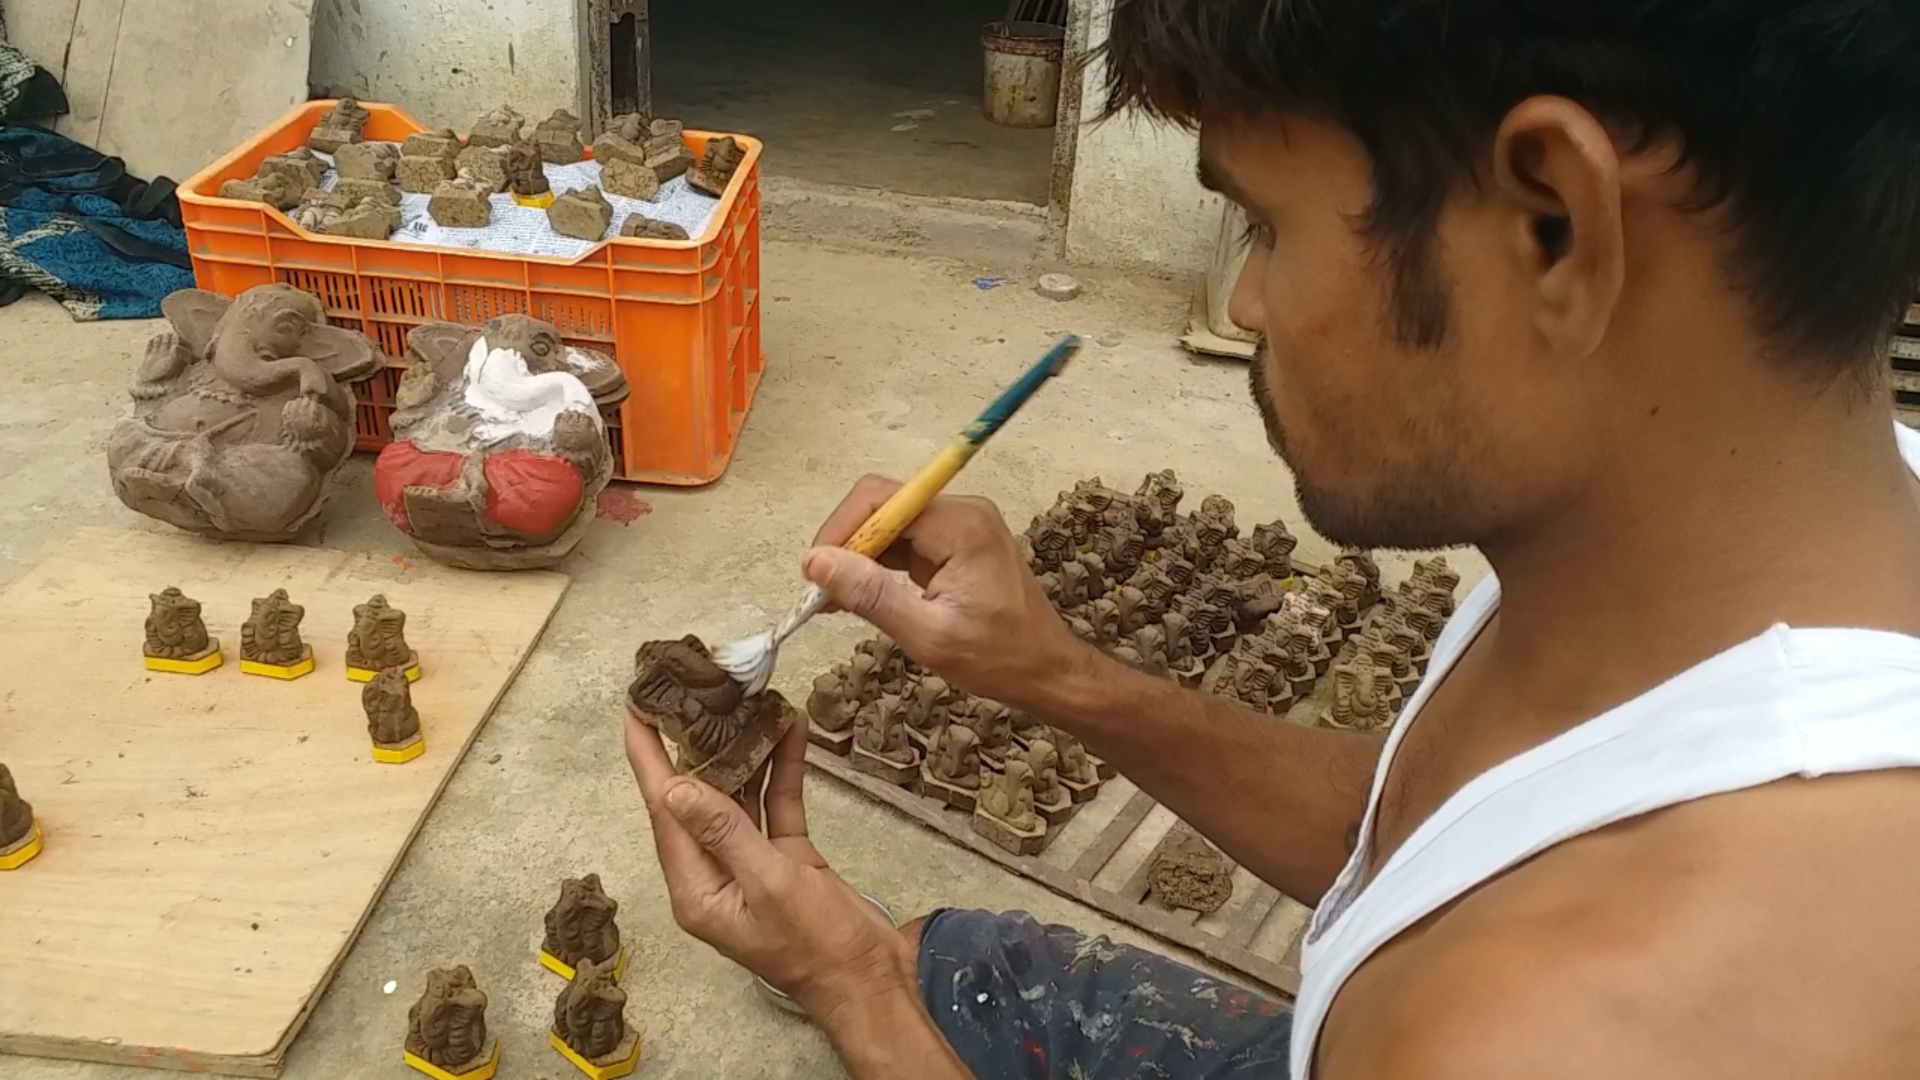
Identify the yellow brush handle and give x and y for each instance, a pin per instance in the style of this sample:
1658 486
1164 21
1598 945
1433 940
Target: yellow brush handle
898 512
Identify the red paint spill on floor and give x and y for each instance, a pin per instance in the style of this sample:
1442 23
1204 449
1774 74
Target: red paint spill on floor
621 505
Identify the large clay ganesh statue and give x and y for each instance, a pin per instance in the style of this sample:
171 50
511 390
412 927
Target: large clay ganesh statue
241 414
499 449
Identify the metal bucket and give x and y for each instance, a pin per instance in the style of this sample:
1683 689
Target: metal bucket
1023 62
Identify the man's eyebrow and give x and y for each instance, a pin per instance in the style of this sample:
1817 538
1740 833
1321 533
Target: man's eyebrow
1214 179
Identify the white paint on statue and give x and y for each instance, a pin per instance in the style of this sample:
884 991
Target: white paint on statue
511 400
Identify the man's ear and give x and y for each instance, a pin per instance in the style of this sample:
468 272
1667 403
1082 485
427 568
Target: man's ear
1557 166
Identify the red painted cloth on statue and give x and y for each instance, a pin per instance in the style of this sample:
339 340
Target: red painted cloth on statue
402 465
529 493
532 494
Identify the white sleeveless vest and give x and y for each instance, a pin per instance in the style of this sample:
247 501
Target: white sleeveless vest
1787 703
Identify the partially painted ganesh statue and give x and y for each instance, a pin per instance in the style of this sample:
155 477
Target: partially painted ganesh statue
241 414
499 449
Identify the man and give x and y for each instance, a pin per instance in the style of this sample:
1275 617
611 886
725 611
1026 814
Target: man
1604 289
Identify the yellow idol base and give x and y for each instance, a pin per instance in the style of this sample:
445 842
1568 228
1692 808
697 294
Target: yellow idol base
193 665
400 755
489 1063
619 1063
565 970
360 674
23 851
302 666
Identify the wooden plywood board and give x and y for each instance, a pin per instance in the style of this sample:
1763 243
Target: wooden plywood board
214 843
1227 938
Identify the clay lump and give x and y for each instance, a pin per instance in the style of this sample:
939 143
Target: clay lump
340 127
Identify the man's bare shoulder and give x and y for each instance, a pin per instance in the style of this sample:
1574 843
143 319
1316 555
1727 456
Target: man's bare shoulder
1757 935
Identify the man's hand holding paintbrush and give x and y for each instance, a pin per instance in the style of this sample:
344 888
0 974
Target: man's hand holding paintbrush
767 899
744 876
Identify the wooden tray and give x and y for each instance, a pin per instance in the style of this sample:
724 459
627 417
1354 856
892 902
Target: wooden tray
1122 843
1102 862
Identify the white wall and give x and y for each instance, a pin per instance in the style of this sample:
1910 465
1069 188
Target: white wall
1134 204
1135 201
447 61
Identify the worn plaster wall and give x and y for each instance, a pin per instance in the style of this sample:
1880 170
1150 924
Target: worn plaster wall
1135 202
447 61
132 94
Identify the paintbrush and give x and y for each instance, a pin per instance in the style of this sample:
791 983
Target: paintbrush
750 660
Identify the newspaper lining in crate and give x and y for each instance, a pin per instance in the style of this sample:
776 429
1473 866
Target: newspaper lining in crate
523 230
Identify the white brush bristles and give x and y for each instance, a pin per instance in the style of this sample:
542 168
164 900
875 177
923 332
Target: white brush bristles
749 661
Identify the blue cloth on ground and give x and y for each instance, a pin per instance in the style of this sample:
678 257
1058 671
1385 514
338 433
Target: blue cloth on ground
75 227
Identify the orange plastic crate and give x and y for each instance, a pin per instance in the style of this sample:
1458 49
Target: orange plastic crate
682 318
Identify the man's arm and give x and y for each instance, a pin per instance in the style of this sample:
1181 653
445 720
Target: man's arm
768 902
890 1035
1280 799
1283 800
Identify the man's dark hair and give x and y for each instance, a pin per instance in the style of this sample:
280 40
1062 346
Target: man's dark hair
1801 117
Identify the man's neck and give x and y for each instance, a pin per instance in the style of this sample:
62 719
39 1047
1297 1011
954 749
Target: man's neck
1710 532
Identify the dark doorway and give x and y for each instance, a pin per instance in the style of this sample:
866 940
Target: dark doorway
871 93
623 66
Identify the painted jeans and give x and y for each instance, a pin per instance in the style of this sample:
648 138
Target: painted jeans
1019 1000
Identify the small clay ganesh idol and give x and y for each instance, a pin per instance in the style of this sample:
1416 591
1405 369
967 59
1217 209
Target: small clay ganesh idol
580 927
447 1028
177 639
590 1026
270 642
392 721
241 414
499 449
724 734
378 642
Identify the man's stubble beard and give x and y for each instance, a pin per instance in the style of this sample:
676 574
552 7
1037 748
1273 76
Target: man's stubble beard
1423 511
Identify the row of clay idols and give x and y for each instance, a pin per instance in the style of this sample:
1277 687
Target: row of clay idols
635 141
1292 649
1117 565
1017 776
637 155
447 1027
1127 530
1279 661
465 202
177 640
585 214
292 182
459 176
1376 669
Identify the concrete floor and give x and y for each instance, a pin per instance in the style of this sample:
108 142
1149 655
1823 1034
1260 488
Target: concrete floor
874 359
868 93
